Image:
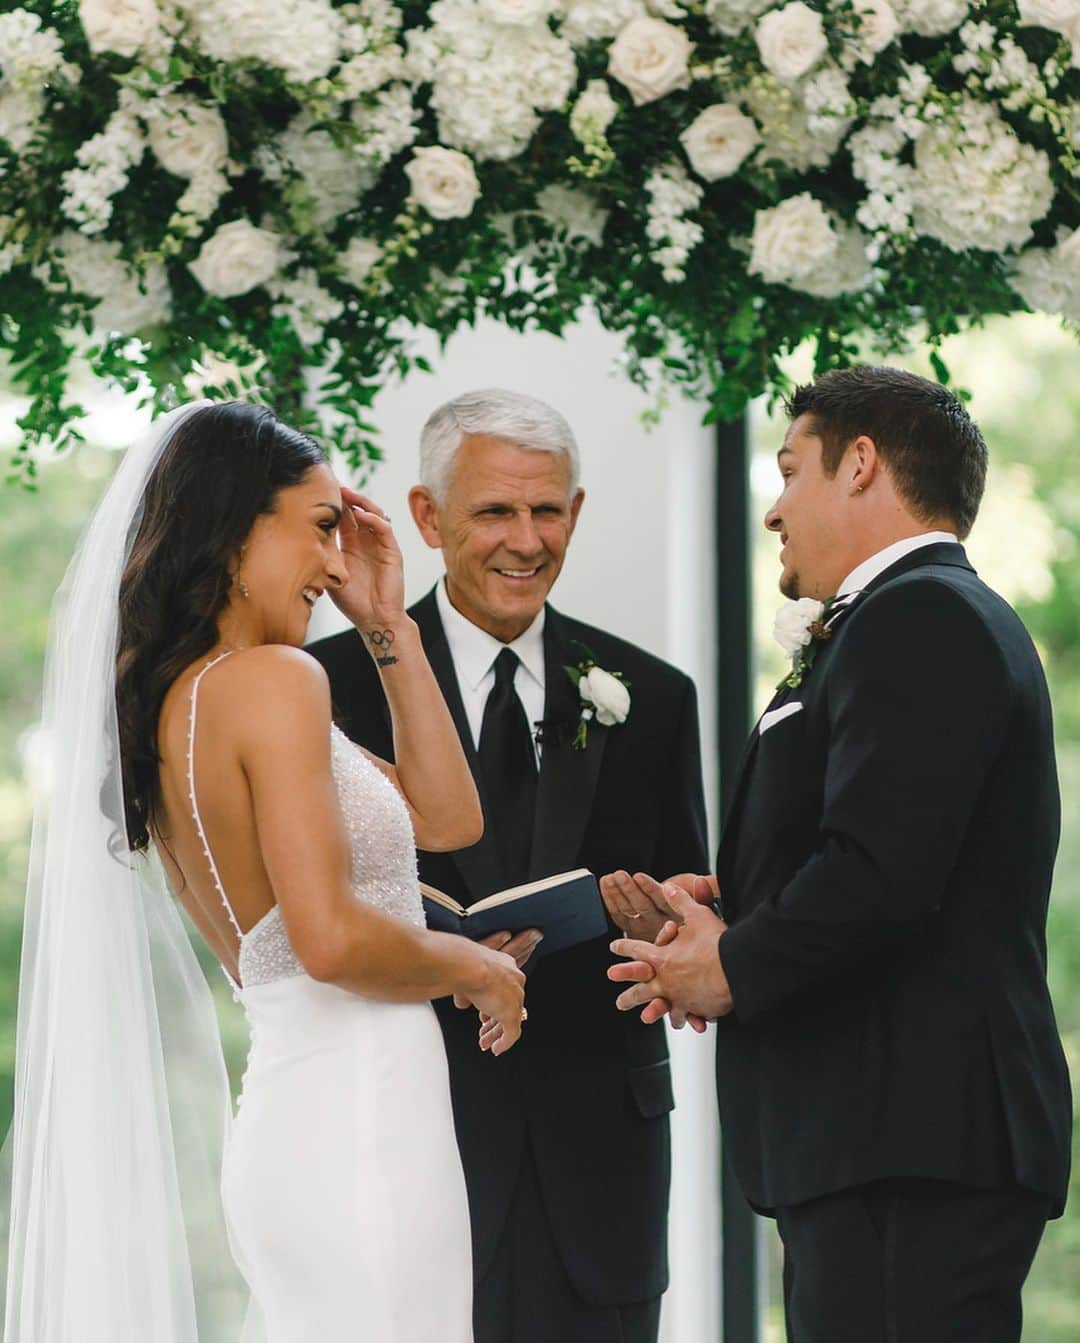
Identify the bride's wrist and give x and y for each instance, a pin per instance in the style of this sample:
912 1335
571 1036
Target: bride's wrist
389 641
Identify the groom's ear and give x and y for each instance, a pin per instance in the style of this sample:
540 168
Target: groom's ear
425 513
863 463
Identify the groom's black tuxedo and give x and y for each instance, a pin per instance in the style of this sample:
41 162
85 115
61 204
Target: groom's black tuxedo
885 873
587 1088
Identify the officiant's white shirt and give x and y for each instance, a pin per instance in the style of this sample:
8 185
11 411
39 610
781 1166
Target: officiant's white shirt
866 572
474 651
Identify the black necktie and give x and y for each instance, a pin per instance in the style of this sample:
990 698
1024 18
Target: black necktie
508 763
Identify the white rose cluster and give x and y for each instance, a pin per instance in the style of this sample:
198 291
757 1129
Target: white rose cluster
490 80
798 243
672 195
300 37
976 183
127 301
31 56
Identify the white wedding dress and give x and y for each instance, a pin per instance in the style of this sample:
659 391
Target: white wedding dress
342 1183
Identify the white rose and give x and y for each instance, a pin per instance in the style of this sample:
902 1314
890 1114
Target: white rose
718 139
791 240
443 181
651 58
931 18
607 694
188 138
877 27
791 628
123 26
519 13
791 40
238 257
359 259
1057 15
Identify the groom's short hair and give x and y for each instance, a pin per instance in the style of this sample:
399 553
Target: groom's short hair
931 445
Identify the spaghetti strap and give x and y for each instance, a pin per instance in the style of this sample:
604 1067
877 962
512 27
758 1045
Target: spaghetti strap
191 793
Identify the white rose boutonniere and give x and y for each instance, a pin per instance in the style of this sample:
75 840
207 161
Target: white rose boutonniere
800 628
605 696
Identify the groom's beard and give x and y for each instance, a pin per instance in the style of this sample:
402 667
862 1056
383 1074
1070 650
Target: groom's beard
789 585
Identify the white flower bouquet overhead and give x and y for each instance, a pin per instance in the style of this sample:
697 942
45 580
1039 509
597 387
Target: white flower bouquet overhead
267 196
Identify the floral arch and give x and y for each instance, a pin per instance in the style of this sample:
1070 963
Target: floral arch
268 195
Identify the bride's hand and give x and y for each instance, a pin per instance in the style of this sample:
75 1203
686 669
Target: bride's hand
374 595
496 988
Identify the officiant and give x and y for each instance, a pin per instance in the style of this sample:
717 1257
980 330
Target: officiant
565 1245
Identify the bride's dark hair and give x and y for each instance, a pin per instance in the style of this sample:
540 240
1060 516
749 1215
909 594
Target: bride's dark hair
223 466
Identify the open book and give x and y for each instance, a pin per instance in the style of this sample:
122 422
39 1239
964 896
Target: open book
566 908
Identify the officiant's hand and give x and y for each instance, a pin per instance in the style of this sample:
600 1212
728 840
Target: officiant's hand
374 595
519 945
684 973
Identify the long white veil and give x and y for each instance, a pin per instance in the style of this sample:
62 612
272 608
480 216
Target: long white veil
116 1231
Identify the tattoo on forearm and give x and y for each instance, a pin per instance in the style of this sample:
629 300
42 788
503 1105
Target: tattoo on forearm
378 643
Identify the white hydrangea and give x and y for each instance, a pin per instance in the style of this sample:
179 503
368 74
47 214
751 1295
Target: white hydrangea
127 301
672 195
976 184
575 211
489 81
596 20
104 163
931 18
827 99
875 155
335 177
388 124
300 37
359 259
787 134
30 58
518 13
730 17
718 140
306 305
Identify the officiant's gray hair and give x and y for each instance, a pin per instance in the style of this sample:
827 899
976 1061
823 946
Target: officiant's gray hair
492 412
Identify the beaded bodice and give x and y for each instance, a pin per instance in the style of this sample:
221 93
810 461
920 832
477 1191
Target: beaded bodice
381 843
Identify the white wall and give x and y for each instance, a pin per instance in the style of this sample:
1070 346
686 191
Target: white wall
640 565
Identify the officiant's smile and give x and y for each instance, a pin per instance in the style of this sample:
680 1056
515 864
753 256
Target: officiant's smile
503 516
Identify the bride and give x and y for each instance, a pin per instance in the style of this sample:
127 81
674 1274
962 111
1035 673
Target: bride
186 722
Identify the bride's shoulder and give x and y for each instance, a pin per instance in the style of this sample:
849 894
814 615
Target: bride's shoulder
272 682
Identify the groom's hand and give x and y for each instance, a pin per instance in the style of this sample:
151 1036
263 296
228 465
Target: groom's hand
684 973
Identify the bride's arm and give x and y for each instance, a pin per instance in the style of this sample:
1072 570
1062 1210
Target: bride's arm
283 739
431 772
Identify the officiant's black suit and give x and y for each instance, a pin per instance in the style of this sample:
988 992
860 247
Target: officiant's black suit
885 873
581 1102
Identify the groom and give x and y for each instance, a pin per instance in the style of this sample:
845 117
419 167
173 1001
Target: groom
564 1141
891 1082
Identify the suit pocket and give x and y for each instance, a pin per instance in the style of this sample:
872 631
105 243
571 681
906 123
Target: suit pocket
650 1087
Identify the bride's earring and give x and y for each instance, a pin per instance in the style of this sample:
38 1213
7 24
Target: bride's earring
243 587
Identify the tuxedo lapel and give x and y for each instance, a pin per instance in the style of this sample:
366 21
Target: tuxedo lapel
568 777
479 865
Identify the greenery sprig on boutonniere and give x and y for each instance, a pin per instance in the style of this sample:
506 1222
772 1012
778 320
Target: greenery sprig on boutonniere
604 695
800 628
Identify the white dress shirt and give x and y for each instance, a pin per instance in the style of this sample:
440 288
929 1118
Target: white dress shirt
866 572
473 652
